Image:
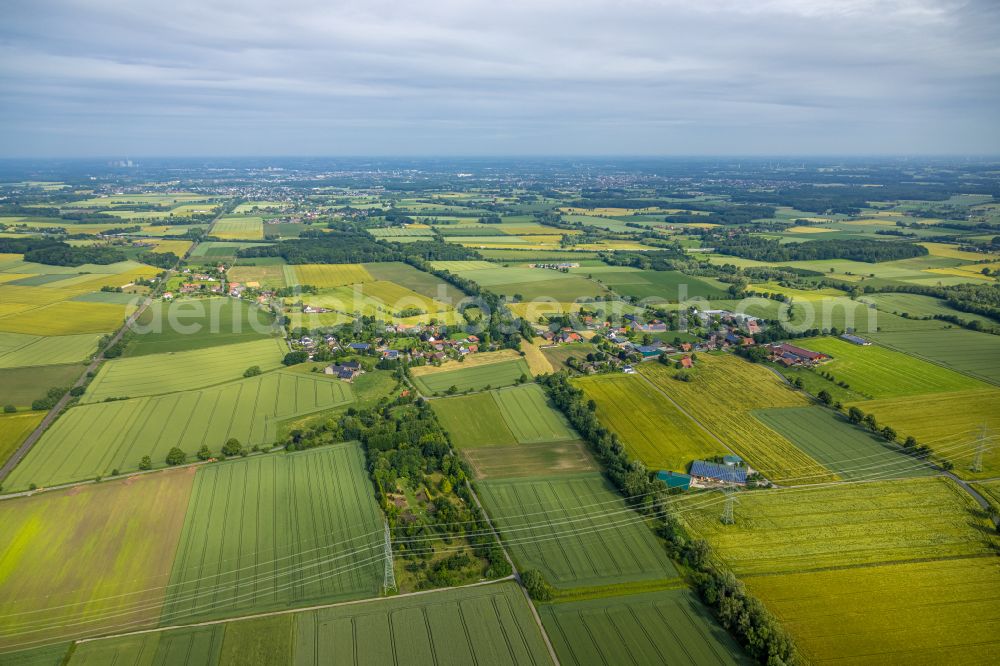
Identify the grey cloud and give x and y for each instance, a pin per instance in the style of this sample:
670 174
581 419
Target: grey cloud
626 77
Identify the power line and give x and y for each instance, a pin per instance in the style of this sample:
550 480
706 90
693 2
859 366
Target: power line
389 579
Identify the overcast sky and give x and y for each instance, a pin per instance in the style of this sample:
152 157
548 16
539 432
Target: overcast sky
465 77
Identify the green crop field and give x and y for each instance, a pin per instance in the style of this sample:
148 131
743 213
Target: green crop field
917 305
285 530
238 227
671 626
490 624
524 460
265 276
88 559
949 423
14 428
990 490
473 421
165 373
944 611
852 452
212 250
975 354
120 433
187 324
19 349
575 529
877 372
193 645
507 416
21 386
669 286
802 529
417 280
475 378
721 396
529 415
495 620
328 275
649 425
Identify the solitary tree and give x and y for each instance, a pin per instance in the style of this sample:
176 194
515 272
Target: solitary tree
145 463
176 457
871 422
825 397
204 453
231 447
855 415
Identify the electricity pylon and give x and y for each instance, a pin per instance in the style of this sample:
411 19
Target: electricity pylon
727 509
389 581
981 448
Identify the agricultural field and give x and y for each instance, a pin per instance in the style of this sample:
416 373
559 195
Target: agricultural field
473 421
120 433
558 355
497 629
178 247
990 490
648 628
575 529
852 452
475 378
193 645
943 611
289 529
21 349
22 386
323 276
66 318
87 559
917 305
721 397
969 352
806 529
259 276
423 283
656 286
186 324
516 415
950 423
14 428
876 372
650 426
217 250
251 206
238 227
530 460
181 371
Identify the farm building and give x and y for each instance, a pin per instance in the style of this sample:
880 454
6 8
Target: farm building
853 339
713 473
686 362
674 479
346 371
787 354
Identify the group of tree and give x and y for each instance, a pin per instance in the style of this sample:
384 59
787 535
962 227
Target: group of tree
57 253
759 248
